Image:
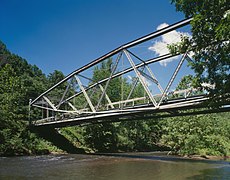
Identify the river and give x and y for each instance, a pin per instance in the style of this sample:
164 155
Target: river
111 167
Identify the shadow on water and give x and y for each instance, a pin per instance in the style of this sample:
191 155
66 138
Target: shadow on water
213 174
220 169
162 156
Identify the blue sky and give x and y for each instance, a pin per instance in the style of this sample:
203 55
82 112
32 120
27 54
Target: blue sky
67 34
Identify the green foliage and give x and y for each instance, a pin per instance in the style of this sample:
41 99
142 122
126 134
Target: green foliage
140 135
75 135
19 81
126 136
52 79
201 134
209 42
103 137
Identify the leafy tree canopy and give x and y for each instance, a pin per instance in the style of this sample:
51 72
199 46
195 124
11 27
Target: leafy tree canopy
210 42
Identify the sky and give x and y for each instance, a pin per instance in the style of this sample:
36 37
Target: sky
67 34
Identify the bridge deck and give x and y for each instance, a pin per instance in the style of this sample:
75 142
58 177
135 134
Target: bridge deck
80 99
145 111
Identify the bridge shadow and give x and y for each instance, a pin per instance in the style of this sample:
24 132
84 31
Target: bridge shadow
52 135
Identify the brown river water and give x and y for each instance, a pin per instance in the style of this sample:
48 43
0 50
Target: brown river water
134 166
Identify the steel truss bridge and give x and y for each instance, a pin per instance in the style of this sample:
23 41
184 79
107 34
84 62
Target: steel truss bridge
80 99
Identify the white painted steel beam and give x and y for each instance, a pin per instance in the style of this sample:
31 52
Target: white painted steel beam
50 103
119 49
85 94
141 79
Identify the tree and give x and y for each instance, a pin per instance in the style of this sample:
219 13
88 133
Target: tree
200 134
210 43
103 137
19 81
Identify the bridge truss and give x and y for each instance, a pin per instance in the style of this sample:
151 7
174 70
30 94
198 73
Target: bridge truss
81 98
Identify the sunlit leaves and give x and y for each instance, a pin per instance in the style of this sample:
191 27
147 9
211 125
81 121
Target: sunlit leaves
209 42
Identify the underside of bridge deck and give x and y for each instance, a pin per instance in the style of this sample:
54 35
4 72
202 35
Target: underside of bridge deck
131 86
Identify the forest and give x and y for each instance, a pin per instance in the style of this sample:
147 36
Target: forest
202 135
19 81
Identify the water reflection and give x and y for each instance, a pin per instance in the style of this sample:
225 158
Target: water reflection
222 173
86 167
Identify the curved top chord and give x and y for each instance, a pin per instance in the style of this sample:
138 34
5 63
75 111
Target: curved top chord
119 49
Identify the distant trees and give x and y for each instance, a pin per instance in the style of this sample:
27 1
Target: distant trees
103 137
20 81
126 136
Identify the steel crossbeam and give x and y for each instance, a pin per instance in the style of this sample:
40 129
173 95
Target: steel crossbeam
50 103
110 77
141 79
117 50
150 61
85 94
63 112
172 78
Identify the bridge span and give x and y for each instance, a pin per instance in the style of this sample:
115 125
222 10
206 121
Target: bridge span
124 84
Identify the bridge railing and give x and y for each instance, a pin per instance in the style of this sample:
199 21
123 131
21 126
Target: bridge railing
129 84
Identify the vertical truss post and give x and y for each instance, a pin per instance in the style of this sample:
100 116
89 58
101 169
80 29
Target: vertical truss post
42 110
47 111
172 78
110 77
85 94
141 79
29 118
122 83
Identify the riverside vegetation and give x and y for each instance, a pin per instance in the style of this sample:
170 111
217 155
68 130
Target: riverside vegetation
20 81
201 134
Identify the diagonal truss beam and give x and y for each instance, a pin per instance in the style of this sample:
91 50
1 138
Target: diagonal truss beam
117 50
152 76
50 103
133 87
172 78
141 79
150 61
85 94
110 77
64 94
102 89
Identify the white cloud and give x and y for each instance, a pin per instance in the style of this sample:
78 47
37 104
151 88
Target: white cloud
160 47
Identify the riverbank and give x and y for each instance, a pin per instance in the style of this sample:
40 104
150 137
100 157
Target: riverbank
198 157
164 156
154 154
